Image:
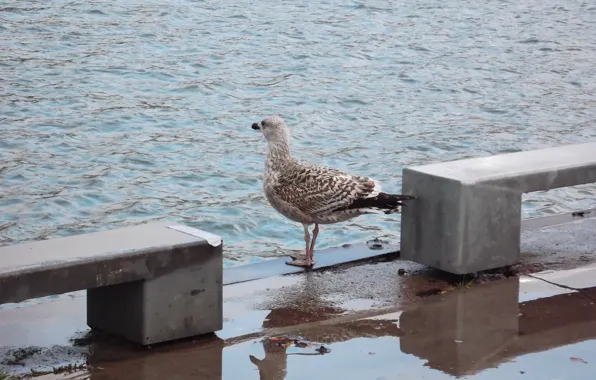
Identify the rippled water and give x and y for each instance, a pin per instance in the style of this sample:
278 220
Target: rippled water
115 113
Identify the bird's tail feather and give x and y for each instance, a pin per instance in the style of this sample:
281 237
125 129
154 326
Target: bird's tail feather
387 203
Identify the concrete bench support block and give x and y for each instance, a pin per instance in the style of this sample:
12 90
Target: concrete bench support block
467 217
177 305
149 283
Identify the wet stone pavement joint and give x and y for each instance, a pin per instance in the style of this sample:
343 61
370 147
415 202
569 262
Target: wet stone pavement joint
362 320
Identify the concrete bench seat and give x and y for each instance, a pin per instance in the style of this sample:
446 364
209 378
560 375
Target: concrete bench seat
149 283
468 214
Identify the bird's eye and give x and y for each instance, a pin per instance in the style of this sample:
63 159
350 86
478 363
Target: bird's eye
263 123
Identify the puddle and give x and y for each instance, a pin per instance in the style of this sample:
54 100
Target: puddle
330 325
534 288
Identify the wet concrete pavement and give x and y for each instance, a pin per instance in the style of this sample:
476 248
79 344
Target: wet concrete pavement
483 331
357 321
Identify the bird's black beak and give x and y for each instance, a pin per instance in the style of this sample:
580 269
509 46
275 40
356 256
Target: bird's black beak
255 126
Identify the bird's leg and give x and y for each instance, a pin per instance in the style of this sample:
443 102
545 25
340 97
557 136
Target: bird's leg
311 251
301 259
302 255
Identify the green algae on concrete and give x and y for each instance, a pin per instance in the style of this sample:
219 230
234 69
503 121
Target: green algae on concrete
6 376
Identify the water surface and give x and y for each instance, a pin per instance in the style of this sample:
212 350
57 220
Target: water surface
117 113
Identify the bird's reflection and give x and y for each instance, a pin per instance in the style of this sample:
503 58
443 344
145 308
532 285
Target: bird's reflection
274 365
306 308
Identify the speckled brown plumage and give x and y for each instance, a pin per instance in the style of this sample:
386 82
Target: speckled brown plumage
321 194
316 194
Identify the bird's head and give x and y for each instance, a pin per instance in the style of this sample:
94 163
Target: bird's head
274 129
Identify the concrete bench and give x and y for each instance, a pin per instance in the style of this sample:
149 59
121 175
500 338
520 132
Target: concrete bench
468 214
149 283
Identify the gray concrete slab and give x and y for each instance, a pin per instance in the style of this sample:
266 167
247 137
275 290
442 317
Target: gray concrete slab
556 219
577 278
531 253
97 259
326 258
523 171
531 288
149 283
467 217
560 246
181 304
577 237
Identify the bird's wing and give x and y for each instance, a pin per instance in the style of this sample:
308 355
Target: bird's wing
320 189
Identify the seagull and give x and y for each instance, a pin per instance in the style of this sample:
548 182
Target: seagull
316 194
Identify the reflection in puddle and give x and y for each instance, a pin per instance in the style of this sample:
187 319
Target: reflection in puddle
481 333
277 349
477 332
